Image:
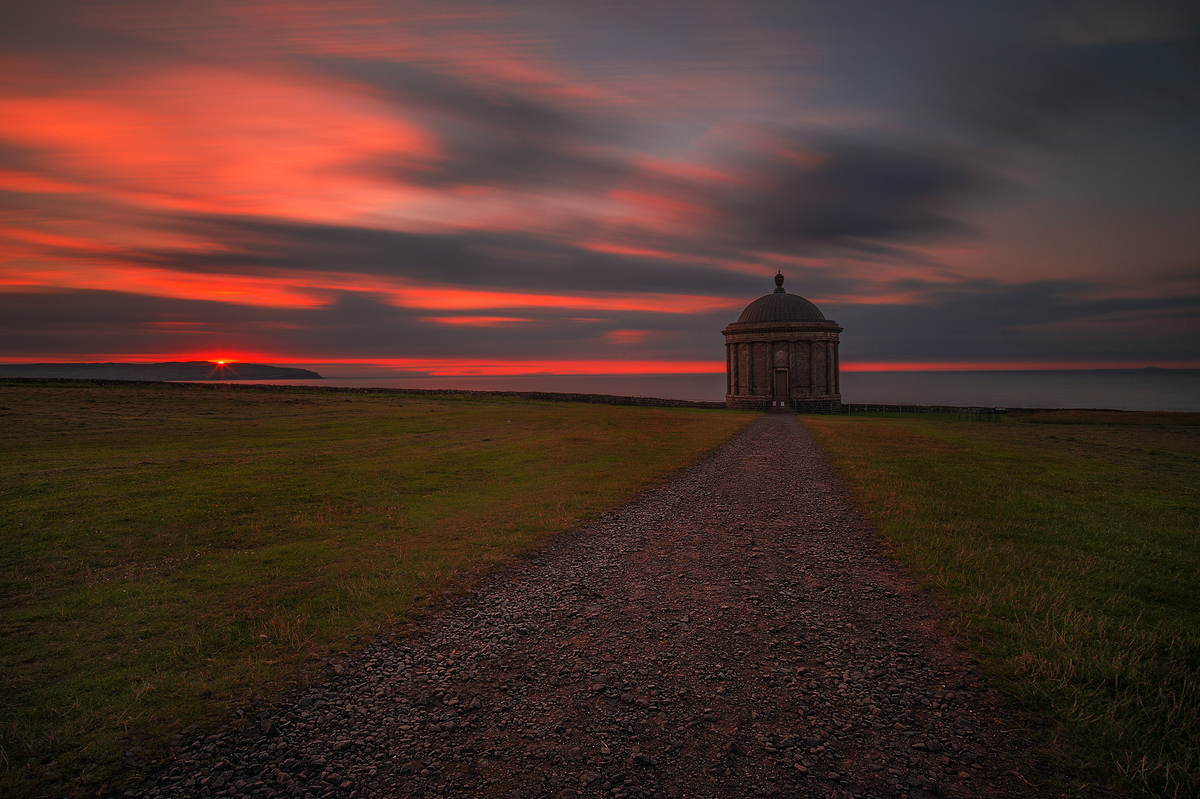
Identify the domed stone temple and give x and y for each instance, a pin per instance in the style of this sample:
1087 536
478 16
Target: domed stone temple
782 353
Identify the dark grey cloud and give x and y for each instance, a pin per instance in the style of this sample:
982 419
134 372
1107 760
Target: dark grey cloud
1023 92
74 50
1057 69
416 87
490 135
1040 320
846 193
51 25
364 325
118 322
516 261
22 159
65 322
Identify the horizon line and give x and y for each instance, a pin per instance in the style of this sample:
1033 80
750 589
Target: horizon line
499 367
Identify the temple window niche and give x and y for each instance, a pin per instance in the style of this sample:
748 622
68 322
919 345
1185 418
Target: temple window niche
782 353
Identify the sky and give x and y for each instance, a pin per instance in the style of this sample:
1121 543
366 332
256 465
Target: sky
454 188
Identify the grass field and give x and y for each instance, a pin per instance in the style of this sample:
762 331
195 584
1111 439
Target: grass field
170 551
1070 544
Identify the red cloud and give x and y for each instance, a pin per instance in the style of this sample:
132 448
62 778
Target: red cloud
216 141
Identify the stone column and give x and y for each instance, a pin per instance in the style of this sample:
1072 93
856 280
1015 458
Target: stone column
837 371
728 369
812 367
830 370
748 389
820 369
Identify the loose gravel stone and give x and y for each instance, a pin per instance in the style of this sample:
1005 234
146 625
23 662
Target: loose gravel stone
739 631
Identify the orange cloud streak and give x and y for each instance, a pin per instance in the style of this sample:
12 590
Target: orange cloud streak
623 249
447 299
463 367
239 289
474 321
31 236
14 181
627 336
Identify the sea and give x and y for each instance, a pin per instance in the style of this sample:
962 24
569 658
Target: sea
1116 389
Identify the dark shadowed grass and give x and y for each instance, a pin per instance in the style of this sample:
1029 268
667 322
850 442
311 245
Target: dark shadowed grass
170 551
1070 544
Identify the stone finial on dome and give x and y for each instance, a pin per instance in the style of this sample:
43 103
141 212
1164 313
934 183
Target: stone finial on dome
779 283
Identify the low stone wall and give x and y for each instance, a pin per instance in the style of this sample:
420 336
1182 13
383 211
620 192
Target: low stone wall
973 410
827 406
554 396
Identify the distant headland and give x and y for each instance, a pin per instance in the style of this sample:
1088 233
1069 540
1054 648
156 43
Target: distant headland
174 370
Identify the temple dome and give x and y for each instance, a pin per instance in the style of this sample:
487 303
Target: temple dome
780 306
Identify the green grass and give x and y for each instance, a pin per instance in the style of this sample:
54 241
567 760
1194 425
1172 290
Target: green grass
1070 545
171 551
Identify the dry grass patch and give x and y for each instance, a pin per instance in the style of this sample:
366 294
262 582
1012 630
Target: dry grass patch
1068 542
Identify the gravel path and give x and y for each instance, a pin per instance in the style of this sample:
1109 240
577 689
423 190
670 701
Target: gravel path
737 632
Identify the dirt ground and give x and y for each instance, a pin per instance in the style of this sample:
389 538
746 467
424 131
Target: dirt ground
739 631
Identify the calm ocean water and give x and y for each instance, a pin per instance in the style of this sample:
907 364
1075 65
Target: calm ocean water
1119 389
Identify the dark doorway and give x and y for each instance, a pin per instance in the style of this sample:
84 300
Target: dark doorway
781 385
